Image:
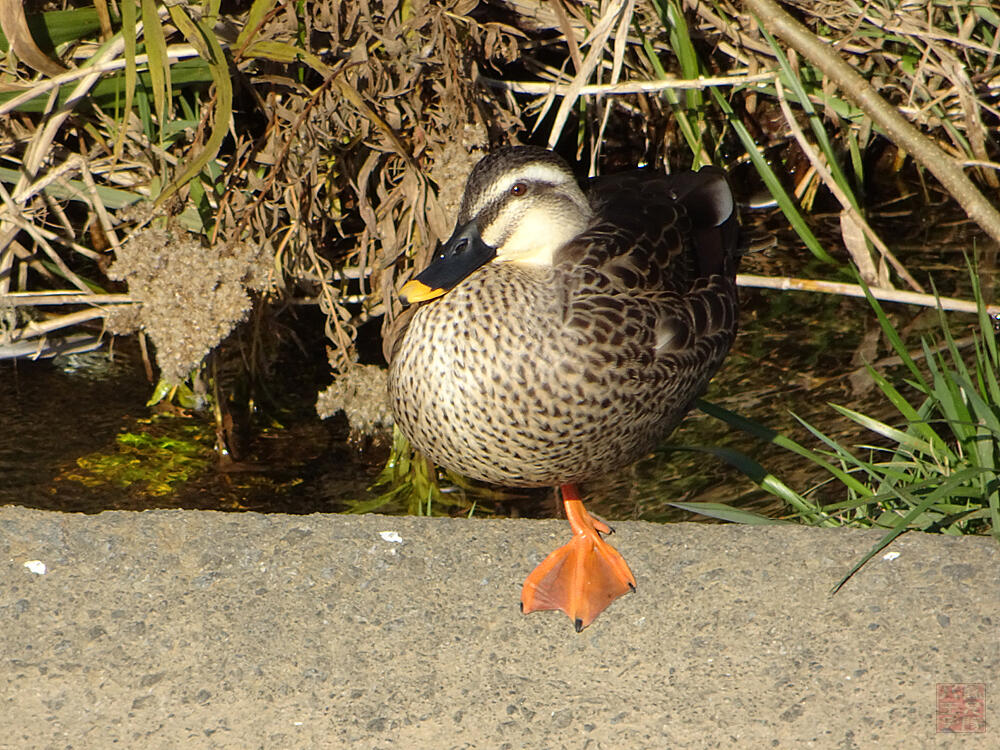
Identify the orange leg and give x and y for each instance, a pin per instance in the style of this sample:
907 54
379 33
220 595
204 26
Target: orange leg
582 577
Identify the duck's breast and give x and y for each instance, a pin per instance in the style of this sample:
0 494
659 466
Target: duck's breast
511 379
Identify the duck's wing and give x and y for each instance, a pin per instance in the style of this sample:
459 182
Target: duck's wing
658 232
654 275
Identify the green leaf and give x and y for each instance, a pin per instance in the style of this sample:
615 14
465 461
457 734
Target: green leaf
159 64
258 11
201 36
691 136
107 92
763 478
680 43
57 27
790 79
728 513
903 438
129 31
890 333
910 414
772 182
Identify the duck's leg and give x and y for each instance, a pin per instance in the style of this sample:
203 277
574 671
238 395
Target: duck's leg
582 577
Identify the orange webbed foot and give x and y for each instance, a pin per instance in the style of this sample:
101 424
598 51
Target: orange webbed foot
582 577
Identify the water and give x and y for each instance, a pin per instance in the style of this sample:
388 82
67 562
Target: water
68 425
52 413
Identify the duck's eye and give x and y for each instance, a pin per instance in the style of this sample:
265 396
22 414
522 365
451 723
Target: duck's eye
519 188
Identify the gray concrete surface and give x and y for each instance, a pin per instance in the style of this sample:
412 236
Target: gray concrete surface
195 629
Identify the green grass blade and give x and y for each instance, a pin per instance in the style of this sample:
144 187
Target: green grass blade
772 182
680 43
258 11
55 28
845 456
202 37
159 63
886 540
890 333
947 393
728 513
691 136
106 93
906 409
794 82
770 436
986 374
129 33
881 428
986 323
765 480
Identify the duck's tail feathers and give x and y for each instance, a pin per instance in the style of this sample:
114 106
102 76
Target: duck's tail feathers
708 199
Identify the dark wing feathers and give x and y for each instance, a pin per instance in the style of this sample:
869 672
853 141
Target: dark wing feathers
654 275
655 233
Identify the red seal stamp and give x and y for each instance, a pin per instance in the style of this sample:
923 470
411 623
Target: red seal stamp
961 707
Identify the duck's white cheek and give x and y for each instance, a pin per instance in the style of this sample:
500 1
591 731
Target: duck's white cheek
536 236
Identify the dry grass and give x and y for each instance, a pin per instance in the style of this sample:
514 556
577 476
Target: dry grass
328 142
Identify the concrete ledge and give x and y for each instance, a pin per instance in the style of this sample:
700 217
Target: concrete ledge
196 629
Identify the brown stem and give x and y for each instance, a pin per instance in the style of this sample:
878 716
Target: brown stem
825 57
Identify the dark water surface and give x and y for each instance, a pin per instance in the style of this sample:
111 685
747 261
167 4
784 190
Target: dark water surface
77 435
50 415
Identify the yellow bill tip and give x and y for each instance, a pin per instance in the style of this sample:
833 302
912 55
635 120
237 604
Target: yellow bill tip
416 291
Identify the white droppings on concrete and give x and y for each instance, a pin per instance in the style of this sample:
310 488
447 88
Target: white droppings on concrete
37 567
890 556
391 536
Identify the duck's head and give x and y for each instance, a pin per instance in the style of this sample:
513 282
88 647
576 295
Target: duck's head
521 204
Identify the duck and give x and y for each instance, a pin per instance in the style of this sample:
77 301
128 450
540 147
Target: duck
562 331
